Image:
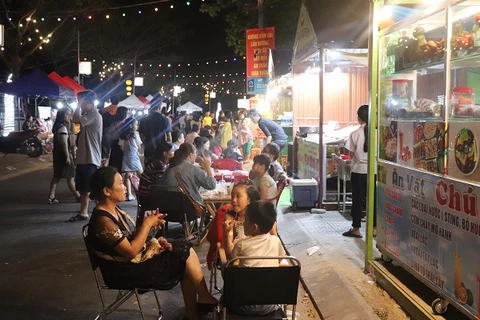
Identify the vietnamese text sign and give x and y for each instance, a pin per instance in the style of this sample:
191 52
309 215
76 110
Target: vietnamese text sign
432 225
258 45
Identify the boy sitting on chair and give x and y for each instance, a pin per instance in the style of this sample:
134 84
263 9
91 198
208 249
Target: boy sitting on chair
259 219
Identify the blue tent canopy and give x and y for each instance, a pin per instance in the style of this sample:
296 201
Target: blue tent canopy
34 84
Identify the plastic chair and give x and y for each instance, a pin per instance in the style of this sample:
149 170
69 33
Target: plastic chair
261 286
178 207
227 164
122 294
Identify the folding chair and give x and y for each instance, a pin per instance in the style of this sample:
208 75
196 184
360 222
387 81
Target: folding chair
122 295
261 286
178 207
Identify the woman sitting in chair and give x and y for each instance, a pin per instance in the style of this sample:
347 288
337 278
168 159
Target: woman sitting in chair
124 258
243 193
183 174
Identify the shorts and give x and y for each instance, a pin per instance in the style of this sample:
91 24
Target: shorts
247 147
83 174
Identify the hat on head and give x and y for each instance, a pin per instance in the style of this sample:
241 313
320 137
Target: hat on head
253 112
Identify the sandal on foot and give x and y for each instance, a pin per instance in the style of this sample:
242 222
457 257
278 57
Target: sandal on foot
52 200
351 234
76 218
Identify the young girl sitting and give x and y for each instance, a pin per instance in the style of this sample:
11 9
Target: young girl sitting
261 179
232 151
243 193
260 217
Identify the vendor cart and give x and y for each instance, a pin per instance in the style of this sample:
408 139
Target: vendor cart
428 149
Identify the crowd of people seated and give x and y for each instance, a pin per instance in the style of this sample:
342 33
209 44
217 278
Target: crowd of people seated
182 160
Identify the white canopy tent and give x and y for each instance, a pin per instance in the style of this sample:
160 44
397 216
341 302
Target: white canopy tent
189 107
132 102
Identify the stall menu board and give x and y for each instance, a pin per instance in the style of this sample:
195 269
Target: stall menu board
431 224
414 144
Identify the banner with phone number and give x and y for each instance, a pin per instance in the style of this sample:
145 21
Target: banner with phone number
432 225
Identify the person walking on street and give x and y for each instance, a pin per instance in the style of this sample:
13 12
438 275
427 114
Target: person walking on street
357 144
63 166
89 152
227 131
273 131
154 129
131 164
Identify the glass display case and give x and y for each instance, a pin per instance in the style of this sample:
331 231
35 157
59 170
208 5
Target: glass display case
428 149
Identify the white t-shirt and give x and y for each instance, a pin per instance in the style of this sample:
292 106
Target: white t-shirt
264 245
355 144
266 181
90 138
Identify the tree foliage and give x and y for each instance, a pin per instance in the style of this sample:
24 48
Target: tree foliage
241 15
105 39
26 33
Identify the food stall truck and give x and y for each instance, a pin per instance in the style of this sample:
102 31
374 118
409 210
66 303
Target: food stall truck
426 75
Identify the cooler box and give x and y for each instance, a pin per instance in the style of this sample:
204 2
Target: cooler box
304 193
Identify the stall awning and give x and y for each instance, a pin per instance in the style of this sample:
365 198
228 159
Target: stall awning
335 24
189 107
34 84
132 102
74 85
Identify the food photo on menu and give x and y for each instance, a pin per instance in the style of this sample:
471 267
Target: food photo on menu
388 141
422 145
463 150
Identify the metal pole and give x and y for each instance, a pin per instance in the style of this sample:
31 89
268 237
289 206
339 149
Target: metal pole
134 71
173 95
78 57
261 13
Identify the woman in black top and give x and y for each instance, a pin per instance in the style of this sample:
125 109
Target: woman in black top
63 166
124 255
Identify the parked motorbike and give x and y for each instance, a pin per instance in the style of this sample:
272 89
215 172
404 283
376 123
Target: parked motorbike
25 142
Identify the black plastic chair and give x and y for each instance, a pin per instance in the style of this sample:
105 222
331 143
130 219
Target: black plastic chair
261 285
178 207
122 294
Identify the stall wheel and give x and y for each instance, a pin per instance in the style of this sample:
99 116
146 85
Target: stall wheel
439 306
294 206
386 258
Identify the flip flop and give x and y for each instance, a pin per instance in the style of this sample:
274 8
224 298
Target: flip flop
76 218
349 233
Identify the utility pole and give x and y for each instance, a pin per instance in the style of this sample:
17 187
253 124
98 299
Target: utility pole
134 71
261 13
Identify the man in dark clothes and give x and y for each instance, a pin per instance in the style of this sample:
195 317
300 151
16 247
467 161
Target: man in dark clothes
154 129
272 130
